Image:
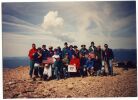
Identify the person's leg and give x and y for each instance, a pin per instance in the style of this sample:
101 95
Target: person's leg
81 72
108 66
36 71
64 72
31 68
41 69
56 72
88 72
111 67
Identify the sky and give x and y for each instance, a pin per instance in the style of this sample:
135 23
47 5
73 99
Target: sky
53 23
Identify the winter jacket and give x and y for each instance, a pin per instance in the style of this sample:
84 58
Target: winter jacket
36 59
108 54
75 61
64 51
90 63
45 54
31 53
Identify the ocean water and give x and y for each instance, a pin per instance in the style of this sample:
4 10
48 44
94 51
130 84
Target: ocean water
120 55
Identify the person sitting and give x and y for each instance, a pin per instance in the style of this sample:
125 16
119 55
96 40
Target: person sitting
76 62
90 66
65 65
57 67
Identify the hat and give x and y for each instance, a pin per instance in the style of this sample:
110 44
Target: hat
92 42
39 48
105 45
71 46
50 47
75 46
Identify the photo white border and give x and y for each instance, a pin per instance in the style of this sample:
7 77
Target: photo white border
1 63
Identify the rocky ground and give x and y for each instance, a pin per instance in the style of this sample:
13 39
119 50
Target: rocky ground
16 84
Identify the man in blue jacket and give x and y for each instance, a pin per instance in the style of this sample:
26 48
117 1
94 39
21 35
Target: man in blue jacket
45 52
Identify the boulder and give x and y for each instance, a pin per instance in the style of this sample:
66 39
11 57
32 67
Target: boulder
70 86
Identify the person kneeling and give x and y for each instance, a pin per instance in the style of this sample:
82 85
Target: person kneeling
90 66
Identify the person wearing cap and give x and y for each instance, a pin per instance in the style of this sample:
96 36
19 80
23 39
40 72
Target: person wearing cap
65 65
65 50
30 55
108 58
45 53
92 47
38 63
76 51
58 67
51 52
71 51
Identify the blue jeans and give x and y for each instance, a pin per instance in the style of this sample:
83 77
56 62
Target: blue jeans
65 71
110 67
31 67
57 73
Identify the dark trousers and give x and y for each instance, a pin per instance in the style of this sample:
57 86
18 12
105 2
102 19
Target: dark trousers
38 70
81 71
65 72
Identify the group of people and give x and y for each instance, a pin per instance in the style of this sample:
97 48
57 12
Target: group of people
87 62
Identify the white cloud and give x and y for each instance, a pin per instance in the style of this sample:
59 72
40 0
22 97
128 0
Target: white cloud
52 20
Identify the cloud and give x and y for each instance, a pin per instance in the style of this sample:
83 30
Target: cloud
52 20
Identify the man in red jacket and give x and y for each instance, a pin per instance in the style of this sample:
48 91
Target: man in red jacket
30 55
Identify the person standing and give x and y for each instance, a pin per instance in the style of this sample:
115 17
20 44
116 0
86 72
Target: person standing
65 65
71 51
92 47
108 58
83 49
65 50
45 53
82 64
99 58
32 51
76 51
57 67
38 63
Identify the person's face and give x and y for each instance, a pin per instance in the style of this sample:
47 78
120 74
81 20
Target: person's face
86 55
106 47
39 51
81 56
73 56
65 45
70 48
92 44
89 58
44 47
33 46
66 56
55 52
